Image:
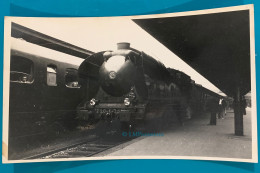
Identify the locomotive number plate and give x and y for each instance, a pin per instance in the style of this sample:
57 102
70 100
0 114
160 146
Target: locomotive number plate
107 110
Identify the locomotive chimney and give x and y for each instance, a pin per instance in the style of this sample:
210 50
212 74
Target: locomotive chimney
123 45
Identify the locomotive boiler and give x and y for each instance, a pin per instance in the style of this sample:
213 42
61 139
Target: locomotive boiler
131 86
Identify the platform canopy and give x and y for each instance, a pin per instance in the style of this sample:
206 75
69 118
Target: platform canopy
216 45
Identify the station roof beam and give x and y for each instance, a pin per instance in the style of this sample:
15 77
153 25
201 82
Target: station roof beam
32 36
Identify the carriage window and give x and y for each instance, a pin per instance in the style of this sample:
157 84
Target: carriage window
52 75
21 70
71 78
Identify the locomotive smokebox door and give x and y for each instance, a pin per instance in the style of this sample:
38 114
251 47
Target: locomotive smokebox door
118 72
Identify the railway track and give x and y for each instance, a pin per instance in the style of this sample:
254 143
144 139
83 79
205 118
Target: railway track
82 149
97 143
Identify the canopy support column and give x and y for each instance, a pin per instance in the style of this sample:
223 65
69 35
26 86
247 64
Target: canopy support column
238 107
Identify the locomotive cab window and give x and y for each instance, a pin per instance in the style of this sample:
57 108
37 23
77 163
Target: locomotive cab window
71 78
52 75
21 70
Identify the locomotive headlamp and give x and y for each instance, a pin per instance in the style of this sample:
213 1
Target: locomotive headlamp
93 102
127 101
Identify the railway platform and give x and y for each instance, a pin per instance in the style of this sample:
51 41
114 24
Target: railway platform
195 138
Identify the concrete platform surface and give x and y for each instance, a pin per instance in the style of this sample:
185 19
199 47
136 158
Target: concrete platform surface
195 138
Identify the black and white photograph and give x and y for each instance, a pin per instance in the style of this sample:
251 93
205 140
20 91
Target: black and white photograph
165 86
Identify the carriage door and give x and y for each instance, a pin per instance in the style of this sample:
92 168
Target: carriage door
21 81
21 103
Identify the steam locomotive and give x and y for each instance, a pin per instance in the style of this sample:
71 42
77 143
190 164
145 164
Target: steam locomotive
131 86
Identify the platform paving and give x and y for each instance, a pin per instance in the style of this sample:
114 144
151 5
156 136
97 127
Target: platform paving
195 138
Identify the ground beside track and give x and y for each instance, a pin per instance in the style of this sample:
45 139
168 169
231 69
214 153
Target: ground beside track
195 138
